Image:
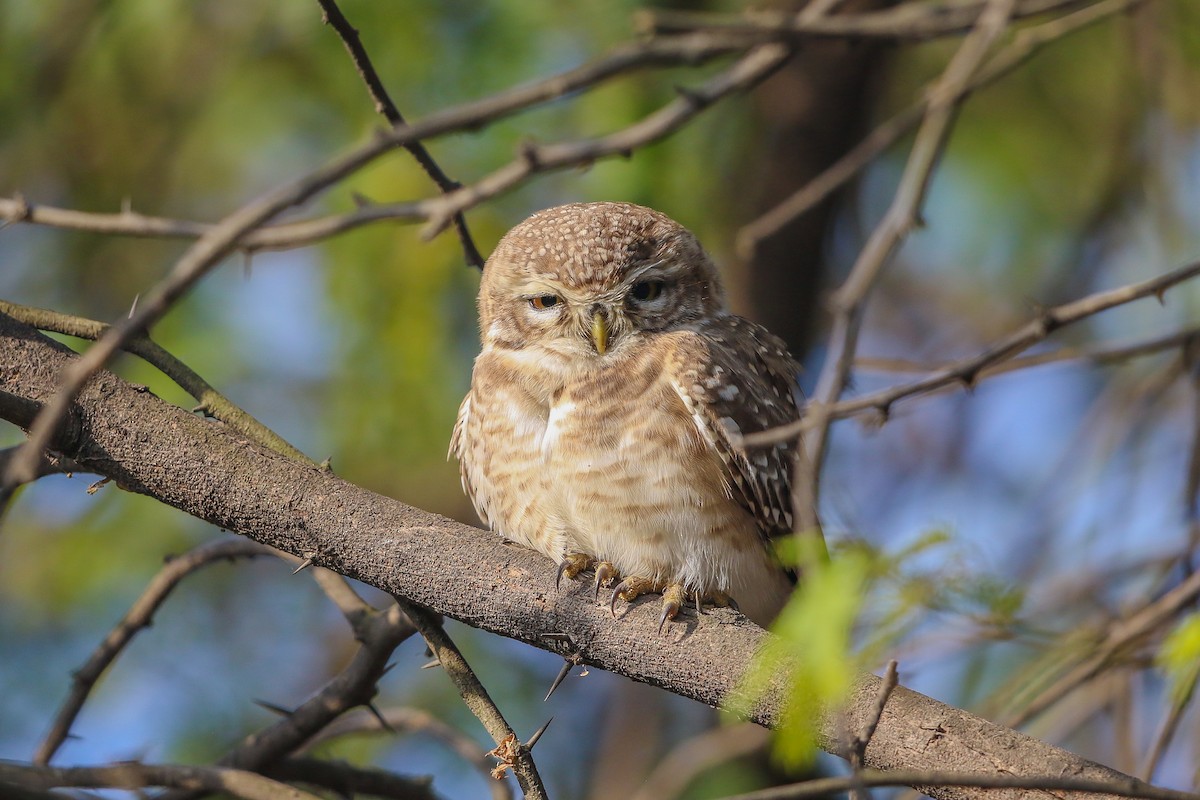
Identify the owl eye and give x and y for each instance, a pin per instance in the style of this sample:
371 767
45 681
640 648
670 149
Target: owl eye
544 301
644 291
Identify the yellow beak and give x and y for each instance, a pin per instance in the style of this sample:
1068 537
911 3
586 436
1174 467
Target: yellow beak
599 332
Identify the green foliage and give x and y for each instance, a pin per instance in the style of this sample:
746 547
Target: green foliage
849 611
1179 658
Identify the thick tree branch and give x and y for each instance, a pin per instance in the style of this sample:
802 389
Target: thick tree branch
153 448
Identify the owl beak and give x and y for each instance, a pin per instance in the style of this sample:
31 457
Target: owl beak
599 331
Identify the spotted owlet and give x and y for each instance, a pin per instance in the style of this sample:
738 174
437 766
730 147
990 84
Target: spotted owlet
603 423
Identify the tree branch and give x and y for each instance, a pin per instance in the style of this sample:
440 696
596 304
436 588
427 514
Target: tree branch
384 105
153 448
136 619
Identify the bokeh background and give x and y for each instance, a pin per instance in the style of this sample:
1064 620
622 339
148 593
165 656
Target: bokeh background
1059 494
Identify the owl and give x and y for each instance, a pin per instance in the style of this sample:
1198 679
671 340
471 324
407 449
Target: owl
603 425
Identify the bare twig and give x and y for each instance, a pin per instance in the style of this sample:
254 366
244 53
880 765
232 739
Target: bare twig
1025 44
1095 354
348 780
858 747
907 21
1119 637
136 619
133 775
966 370
849 301
354 686
212 402
400 719
384 105
689 50
697 754
932 779
746 72
509 749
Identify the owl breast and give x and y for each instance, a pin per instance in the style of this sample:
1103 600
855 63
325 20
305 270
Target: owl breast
632 482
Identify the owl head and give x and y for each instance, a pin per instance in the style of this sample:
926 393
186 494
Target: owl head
586 279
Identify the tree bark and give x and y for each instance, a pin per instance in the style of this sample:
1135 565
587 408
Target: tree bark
153 448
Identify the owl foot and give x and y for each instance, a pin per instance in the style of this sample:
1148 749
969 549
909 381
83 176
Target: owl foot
571 565
674 596
606 574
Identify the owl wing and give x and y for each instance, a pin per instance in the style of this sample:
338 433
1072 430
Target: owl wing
736 378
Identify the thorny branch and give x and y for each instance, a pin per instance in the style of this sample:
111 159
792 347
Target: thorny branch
384 105
905 21
1026 43
454 569
245 230
136 619
133 775
511 752
934 779
849 300
400 719
211 401
967 370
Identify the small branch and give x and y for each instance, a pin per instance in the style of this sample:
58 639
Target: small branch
925 781
354 686
748 71
1120 635
415 720
512 753
133 775
966 370
849 301
136 619
1025 44
688 50
858 747
384 105
212 402
912 21
348 780
698 754
1099 355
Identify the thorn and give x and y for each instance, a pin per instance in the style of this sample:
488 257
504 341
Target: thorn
378 715
559 678
133 307
274 709
95 487
327 464
360 200
306 563
387 668
431 664
538 734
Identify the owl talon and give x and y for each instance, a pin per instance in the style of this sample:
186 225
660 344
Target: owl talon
673 599
630 589
571 565
606 573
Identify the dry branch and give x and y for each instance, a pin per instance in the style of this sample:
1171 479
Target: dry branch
153 448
